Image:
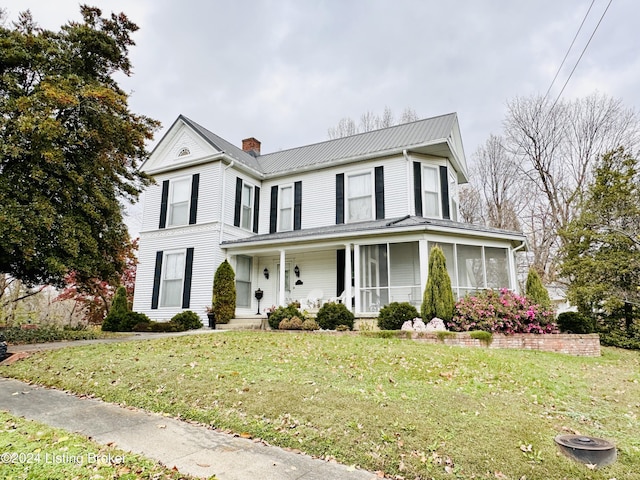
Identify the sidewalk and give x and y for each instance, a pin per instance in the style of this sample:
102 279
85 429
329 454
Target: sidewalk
192 449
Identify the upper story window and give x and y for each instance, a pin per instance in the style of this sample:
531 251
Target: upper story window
247 206
430 191
180 191
359 197
179 201
285 210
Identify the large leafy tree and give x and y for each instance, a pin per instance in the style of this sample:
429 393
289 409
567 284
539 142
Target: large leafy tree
69 149
601 254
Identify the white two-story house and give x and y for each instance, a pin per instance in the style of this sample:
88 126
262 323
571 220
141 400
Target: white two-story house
351 219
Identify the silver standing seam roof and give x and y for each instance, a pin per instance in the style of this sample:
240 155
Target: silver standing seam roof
386 140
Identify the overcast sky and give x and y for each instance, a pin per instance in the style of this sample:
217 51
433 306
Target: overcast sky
284 71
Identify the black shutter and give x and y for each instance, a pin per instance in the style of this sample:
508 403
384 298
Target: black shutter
157 275
417 187
193 209
444 192
340 198
273 210
297 205
340 268
236 215
164 204
379 188
256 208
186 290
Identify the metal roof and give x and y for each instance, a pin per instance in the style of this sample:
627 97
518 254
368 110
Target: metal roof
391 140
373 227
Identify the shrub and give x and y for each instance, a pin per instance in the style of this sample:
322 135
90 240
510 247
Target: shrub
392 316
223 302
575 322
536 291
310 324
437 300
117 319
17 335
501 311
293 323
332 314
188 320
281 313
123 322
484 337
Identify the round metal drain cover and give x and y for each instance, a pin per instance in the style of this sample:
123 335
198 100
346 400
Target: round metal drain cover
587 450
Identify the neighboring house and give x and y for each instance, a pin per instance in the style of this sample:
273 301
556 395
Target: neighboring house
351 219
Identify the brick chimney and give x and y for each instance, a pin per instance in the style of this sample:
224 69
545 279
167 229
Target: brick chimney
251 146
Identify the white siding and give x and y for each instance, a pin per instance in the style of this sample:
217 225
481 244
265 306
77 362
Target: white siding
207 257
208 197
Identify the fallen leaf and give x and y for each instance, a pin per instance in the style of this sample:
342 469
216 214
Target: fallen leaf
203 465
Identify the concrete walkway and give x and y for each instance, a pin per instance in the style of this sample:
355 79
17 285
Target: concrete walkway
192 449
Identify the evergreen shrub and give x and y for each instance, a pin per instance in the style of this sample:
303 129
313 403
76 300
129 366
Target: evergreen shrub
392 316
187 320
575 322
332 314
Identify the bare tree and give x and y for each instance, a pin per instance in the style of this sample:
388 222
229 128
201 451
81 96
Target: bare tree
370 121
498 180
470 206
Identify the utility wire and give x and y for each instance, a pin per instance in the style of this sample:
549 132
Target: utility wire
568 50
581 55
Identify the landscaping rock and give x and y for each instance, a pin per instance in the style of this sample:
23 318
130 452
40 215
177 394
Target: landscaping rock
436 325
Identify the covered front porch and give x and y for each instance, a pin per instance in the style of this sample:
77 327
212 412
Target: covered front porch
365 268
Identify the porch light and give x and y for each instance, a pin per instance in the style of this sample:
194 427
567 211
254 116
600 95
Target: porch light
296 270
266 273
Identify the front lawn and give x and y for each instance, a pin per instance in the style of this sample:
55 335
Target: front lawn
404 408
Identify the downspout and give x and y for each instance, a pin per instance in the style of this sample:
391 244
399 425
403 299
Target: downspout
222 204
409 190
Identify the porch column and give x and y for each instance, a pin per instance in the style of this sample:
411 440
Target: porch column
423 247
282 278
356 275
348 291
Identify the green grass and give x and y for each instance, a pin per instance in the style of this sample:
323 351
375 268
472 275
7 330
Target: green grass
33 451
397 406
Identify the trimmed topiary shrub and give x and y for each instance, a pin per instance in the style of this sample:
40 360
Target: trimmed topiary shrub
116 320
392 316
501 311
437 300
575 322
281 313
293 323
310 324
536 291
332 314
187 320
223 302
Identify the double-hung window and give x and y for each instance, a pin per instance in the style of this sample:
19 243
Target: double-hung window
180 192
359 197
285 214
247 206
430 191
172 279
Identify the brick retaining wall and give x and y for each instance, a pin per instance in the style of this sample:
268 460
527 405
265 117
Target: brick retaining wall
571 344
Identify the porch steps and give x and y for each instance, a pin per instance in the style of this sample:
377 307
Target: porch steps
244 323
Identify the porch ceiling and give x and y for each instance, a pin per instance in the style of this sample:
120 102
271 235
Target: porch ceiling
337 235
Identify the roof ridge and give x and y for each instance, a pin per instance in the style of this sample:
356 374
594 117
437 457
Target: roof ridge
378 130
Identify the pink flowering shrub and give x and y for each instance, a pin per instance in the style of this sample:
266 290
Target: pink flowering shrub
501 311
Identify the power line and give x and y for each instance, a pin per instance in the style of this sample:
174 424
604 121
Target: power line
568 50
581 55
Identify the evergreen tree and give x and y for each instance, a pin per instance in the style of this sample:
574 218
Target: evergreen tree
601 257
69 149
438 300
536 291
117 318
224 293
